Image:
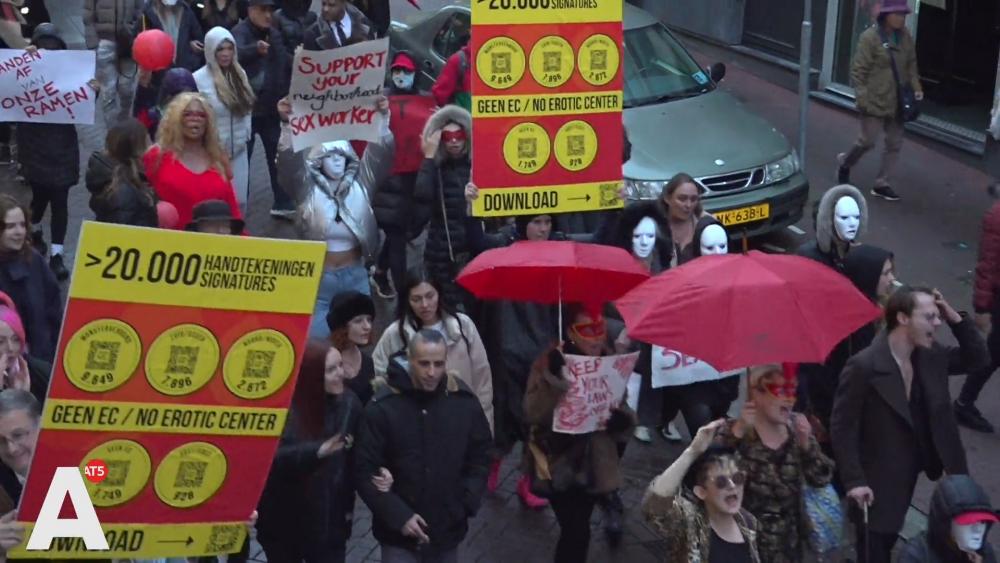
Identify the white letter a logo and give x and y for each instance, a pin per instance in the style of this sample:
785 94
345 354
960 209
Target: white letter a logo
48 524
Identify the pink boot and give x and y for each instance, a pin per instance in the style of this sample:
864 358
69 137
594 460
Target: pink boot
493 480
529 500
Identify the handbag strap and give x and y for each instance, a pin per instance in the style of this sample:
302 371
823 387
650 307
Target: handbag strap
892 59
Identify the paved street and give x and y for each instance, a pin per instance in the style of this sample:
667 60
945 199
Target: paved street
933 232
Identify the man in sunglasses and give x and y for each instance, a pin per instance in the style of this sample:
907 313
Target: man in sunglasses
697 505
892 416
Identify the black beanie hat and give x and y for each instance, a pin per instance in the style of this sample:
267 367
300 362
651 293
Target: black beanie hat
521 224
345 306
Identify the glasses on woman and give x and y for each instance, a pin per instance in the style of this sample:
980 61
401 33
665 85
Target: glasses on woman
725 481
195 113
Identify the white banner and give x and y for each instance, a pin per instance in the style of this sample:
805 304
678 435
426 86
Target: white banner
333 93
47 86
597 387
671 368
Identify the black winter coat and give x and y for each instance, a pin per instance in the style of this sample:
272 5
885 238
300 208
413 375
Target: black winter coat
33 287
190 30
269 75
955 495
293 26
447 249
126 206
308 499
436 445
49 154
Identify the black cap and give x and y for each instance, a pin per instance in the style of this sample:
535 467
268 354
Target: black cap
214 210
269 3
345 306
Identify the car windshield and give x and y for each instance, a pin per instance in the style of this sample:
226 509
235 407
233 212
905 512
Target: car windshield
658 69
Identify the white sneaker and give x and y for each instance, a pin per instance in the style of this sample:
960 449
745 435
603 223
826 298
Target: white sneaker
642 434
671 434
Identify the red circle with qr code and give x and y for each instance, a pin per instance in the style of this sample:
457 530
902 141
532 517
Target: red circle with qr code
96 470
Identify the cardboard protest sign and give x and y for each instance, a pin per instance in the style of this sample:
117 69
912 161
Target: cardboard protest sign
47 86
546 106
176 365
408 116
671 368
597 387
333 93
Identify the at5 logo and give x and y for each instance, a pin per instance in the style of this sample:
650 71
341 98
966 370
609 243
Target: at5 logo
48 525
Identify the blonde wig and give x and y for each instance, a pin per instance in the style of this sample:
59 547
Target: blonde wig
170 135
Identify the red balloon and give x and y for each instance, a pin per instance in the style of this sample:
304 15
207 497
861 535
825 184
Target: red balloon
167 215
153 50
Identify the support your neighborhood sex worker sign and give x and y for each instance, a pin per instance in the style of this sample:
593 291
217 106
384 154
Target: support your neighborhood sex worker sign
47 86
333 93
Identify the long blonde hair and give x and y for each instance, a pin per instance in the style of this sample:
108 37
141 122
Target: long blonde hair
231 84
170 135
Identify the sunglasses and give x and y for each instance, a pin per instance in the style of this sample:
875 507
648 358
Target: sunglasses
193 113
725 481
453 136
788 389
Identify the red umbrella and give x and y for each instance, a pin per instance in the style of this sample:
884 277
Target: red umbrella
553 272
741 310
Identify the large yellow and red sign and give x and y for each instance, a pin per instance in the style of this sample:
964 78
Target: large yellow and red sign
176 365
546 105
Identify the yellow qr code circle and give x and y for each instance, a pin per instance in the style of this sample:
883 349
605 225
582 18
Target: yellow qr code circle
598 59
102 355
190 474
575 145
500 63
526 148
258 364
128 469
551 61
182 359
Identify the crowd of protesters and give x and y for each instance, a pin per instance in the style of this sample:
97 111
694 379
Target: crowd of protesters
416 418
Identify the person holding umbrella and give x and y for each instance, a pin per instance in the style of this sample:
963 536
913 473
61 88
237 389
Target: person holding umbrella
575 471
892 416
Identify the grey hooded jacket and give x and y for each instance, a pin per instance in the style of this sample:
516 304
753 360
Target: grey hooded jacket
824 248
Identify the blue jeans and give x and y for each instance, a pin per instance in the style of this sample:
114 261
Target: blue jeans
335 281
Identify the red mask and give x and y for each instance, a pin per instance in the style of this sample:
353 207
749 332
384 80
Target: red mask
593 331
453 136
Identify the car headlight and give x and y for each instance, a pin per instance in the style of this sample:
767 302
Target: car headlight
783 168
643 189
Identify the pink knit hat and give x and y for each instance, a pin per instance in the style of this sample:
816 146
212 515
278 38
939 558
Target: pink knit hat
8 314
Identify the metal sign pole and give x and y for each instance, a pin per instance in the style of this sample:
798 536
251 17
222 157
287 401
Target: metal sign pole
805 56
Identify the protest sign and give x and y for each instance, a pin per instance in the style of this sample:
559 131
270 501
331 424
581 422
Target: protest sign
671 368
597 386
47 86
176 365
546 106
333 93
408 116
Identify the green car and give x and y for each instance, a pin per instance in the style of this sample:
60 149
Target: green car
677 119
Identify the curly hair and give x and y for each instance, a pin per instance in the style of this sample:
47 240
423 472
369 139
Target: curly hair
170 135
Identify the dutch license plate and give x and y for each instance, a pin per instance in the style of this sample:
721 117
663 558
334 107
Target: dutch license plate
744 214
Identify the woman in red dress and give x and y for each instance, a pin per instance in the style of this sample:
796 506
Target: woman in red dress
188 165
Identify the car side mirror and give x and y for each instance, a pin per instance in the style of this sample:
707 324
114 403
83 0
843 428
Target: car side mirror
717 72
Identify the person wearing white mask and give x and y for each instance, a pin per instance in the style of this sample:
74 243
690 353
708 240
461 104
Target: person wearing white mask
959 520
841 218
332 187
224 83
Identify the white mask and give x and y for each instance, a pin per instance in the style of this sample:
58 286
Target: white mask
847 218
644 238
402 79
169 3
968 538
334 165
714 240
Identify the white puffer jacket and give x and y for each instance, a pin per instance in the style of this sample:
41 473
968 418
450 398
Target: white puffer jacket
234 130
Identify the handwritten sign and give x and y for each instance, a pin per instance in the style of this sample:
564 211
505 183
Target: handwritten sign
409 114
671 368
597 388
47 86
333 93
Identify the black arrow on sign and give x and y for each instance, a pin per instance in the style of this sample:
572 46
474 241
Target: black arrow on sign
92 260
587 198
188 541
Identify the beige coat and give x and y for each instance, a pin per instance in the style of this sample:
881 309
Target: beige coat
100 18
466 356
871 72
